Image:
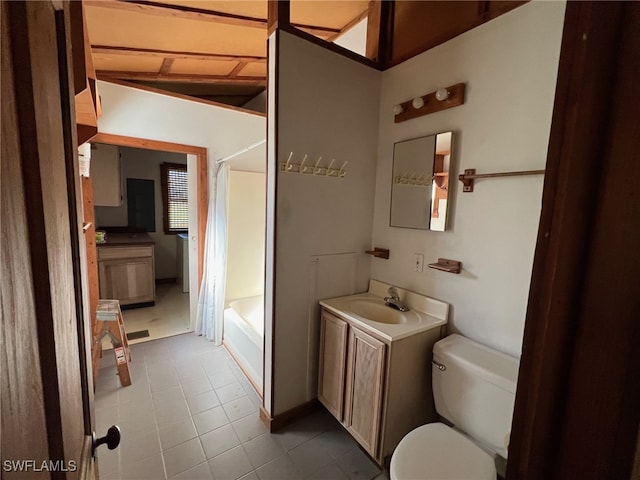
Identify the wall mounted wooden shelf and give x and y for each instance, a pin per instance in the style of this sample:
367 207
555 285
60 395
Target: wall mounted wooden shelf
379 252
432 104
445 265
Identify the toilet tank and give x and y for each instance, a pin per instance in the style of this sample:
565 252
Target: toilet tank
474 388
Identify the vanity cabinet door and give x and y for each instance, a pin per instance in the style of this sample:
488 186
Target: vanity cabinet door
364 388
333 353
129 280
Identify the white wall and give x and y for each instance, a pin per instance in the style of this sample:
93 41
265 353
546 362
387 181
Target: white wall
145 164
509 66
257 103
246 230
137 113
355 39
328 106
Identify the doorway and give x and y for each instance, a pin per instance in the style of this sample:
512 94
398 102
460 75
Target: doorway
140 196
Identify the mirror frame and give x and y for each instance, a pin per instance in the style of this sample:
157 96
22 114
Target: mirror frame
436 176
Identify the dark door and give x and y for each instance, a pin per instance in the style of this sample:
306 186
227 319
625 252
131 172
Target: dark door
46 392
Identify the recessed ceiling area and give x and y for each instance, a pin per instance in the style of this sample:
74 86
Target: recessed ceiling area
213 50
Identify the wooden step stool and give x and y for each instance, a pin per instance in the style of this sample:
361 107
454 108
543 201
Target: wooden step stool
109 314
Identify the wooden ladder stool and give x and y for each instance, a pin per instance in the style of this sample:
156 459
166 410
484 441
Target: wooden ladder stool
108 312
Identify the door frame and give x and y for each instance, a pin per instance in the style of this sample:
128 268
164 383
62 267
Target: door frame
202 186
576 411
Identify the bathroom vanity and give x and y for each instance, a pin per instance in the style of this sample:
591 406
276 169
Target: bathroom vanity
375 365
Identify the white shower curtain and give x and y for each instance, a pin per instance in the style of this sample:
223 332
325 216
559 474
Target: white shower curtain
209 319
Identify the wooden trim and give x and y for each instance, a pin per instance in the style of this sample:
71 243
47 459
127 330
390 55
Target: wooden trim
191 13
165 68
84 322
380 32
331 46
146 88
180 11
77 47
278 15
178 77
202 180
274 424
237 69
147 52
576 411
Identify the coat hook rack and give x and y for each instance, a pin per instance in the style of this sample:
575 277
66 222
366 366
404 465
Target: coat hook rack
469 175
313 168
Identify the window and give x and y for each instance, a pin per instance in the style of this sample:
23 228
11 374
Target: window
175 214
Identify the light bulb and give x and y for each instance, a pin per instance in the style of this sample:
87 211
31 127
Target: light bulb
442 94
398 109
417 103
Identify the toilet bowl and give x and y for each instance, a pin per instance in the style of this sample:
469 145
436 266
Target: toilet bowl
442 453
474 389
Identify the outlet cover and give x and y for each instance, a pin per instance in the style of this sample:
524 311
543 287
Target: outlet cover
418 262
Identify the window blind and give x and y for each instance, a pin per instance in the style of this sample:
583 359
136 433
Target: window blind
176 214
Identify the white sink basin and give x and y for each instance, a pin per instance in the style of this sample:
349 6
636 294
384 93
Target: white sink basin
376 311
369 312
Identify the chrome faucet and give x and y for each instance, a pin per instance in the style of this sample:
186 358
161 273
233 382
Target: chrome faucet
393 300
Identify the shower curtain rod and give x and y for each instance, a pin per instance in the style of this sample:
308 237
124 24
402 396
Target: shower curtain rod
250 147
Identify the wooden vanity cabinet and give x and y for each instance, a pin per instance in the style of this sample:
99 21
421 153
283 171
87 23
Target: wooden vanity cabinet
127 273
378 389
364 386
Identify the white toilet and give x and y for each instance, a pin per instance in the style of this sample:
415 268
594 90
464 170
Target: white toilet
474 389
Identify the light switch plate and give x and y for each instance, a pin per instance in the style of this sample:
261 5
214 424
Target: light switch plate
418 262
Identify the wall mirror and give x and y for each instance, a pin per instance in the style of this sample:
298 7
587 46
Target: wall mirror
420 182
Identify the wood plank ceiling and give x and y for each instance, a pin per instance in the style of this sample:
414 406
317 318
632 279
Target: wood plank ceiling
214 50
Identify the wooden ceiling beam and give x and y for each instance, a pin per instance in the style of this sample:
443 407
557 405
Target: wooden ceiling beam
179 77
166 66
237 69
113 50
191 13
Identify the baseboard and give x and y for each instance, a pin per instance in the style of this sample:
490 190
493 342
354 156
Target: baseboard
160 281
283 419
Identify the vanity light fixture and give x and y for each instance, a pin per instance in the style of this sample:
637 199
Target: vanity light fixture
442 94
441 99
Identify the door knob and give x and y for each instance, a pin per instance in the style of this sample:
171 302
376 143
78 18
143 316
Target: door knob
112 439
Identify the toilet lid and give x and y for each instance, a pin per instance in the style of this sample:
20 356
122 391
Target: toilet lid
435 451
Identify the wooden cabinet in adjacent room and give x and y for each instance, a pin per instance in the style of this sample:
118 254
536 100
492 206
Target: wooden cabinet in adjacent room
127 273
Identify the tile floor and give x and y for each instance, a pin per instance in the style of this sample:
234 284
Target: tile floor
169 316
191 414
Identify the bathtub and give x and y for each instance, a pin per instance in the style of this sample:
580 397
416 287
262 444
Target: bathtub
243 336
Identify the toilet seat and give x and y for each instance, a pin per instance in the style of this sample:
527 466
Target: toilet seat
436 451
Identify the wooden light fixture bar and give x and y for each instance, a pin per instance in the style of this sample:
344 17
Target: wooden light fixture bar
432 104
469 175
